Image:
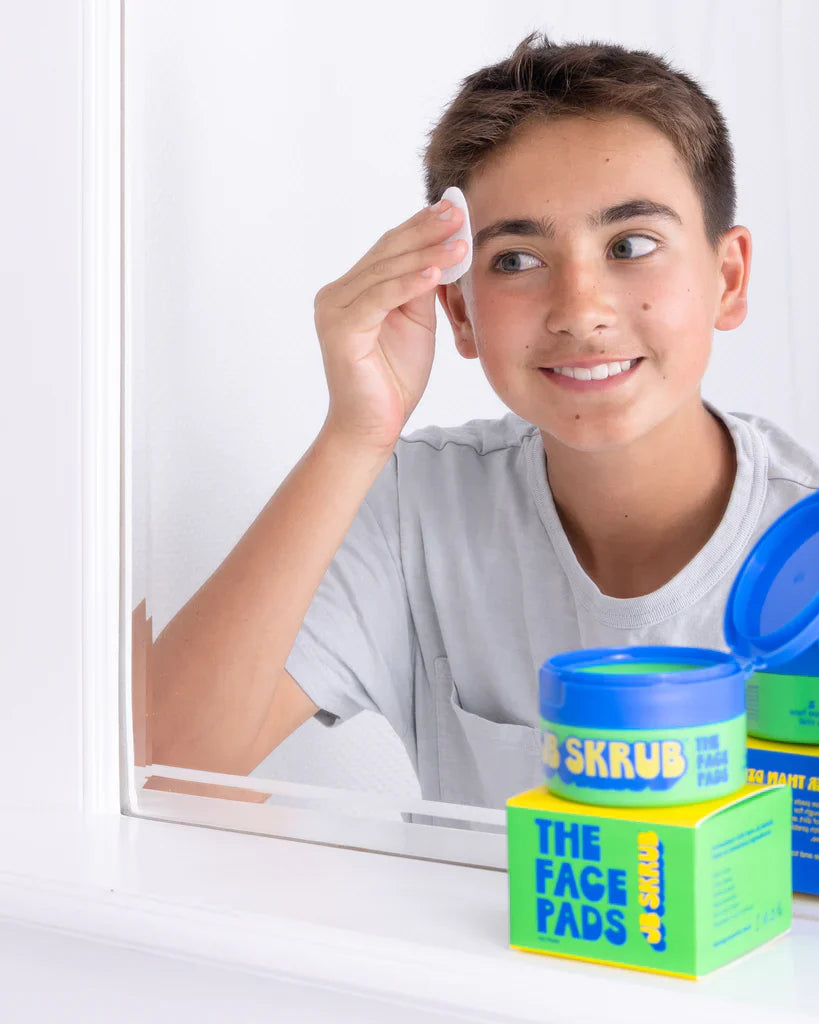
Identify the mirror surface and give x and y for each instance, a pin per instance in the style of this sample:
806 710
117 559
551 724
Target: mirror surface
267 148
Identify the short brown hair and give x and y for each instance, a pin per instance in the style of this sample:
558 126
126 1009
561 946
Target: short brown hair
549 81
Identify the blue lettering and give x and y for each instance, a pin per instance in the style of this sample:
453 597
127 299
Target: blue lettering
566 880
565 919
617 887
591 842
545 909
543 872
543 826
567 834
591 883
592 923
616 931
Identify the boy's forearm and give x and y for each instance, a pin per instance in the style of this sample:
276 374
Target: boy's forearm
215 664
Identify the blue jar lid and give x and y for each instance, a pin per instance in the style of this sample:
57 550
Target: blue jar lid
572 693
772 612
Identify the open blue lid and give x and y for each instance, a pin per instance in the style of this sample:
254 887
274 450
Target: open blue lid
772 613
700 687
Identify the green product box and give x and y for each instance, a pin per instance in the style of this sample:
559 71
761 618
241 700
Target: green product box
678 890
795 765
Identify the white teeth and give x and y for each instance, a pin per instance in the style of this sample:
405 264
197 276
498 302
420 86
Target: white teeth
595 373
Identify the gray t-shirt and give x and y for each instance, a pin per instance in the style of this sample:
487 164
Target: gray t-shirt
456 582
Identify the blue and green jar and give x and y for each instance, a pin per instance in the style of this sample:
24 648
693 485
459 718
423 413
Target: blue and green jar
658 726
643 726
772 621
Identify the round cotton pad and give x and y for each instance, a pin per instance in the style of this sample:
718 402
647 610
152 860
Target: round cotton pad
450 274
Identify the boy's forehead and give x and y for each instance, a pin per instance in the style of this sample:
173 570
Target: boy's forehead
581 164
570 141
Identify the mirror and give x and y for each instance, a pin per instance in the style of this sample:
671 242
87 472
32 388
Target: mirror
266 150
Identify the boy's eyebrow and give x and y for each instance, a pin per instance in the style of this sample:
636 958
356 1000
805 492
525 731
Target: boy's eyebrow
544 228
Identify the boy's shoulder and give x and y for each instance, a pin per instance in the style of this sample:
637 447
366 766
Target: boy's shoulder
788 459
482 436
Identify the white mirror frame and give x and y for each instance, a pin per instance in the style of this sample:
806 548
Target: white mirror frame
453 833
428 935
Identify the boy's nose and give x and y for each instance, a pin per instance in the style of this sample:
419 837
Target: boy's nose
578 303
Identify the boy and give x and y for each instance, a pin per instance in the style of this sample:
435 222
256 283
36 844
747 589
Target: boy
428 577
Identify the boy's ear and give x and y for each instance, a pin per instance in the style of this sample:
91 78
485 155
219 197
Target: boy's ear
734 274
451 297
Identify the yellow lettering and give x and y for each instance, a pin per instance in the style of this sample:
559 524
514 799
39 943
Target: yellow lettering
648 870
673 759
595 762
574 757
650 927
647 764
620 761
650 899
551 754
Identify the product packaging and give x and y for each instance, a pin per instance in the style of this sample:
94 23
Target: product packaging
650 726
678 890
643 726
796 766
647 847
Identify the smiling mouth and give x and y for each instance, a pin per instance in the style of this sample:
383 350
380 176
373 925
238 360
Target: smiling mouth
588 373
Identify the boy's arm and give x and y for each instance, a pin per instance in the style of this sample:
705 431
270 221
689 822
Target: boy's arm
221 697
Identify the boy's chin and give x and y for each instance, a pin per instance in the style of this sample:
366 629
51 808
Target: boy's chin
589 431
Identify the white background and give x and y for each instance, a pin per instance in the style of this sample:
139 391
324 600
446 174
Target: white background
167 887
269 146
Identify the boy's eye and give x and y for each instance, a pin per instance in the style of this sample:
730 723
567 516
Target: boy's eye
496 263
623 246
625 243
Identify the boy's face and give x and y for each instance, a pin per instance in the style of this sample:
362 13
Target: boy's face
591 292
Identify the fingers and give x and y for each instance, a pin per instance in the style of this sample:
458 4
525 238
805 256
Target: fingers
370 307
402 252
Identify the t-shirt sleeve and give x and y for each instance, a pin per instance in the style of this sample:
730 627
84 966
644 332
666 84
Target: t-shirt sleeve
355 648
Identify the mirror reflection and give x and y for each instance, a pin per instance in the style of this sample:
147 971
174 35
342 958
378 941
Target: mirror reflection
369 504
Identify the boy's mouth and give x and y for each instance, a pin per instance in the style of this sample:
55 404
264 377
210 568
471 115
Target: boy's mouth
584 381
625 363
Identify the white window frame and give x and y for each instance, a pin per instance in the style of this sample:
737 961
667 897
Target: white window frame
424 933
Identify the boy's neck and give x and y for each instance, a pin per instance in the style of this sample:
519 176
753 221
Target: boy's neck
636 516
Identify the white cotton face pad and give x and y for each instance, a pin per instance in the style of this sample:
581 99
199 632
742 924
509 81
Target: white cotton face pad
450 274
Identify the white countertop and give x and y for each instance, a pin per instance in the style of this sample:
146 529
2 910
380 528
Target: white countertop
425 933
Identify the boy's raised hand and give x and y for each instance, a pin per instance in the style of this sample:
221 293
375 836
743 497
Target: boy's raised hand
376 327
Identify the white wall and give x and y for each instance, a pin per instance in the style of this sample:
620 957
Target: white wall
40 602
268 149
40 649
54 977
